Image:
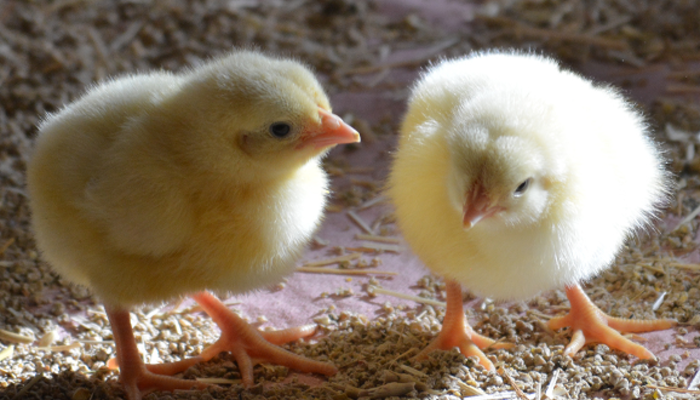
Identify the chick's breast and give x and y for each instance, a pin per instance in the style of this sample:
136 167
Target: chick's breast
482 118
142 201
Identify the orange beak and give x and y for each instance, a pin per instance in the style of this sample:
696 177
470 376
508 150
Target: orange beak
331 132
477 207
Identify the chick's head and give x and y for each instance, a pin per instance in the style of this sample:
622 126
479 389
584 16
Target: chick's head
500 174
253 114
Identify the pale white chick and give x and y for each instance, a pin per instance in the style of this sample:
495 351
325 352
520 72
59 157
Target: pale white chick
514 176
158 185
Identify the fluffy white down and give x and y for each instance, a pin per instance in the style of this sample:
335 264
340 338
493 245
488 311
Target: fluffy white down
602 177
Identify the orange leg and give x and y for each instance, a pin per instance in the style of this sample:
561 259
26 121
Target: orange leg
456 331
133 374
248 344
589 324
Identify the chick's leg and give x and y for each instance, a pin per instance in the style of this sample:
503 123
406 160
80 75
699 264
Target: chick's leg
456 331
248 344
132 372
589 324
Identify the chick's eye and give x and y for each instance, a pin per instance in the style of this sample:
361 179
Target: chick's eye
522 188
280 129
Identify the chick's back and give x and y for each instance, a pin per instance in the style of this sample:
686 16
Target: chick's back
602 174
138 193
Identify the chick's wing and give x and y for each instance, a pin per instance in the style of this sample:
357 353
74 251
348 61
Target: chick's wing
115 172
140 210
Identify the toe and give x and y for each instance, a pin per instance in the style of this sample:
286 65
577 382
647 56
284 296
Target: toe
640 325
283 336
173 367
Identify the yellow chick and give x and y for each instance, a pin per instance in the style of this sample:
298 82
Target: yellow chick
158 185
514 176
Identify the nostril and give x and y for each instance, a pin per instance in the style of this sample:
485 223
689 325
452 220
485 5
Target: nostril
329 120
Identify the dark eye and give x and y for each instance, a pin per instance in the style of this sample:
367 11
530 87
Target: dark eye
522 188
280 129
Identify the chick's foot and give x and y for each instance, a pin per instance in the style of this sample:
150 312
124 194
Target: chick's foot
456 331
589 324
133 374
248 345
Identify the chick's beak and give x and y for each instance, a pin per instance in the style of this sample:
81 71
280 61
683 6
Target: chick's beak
332 131
477 207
